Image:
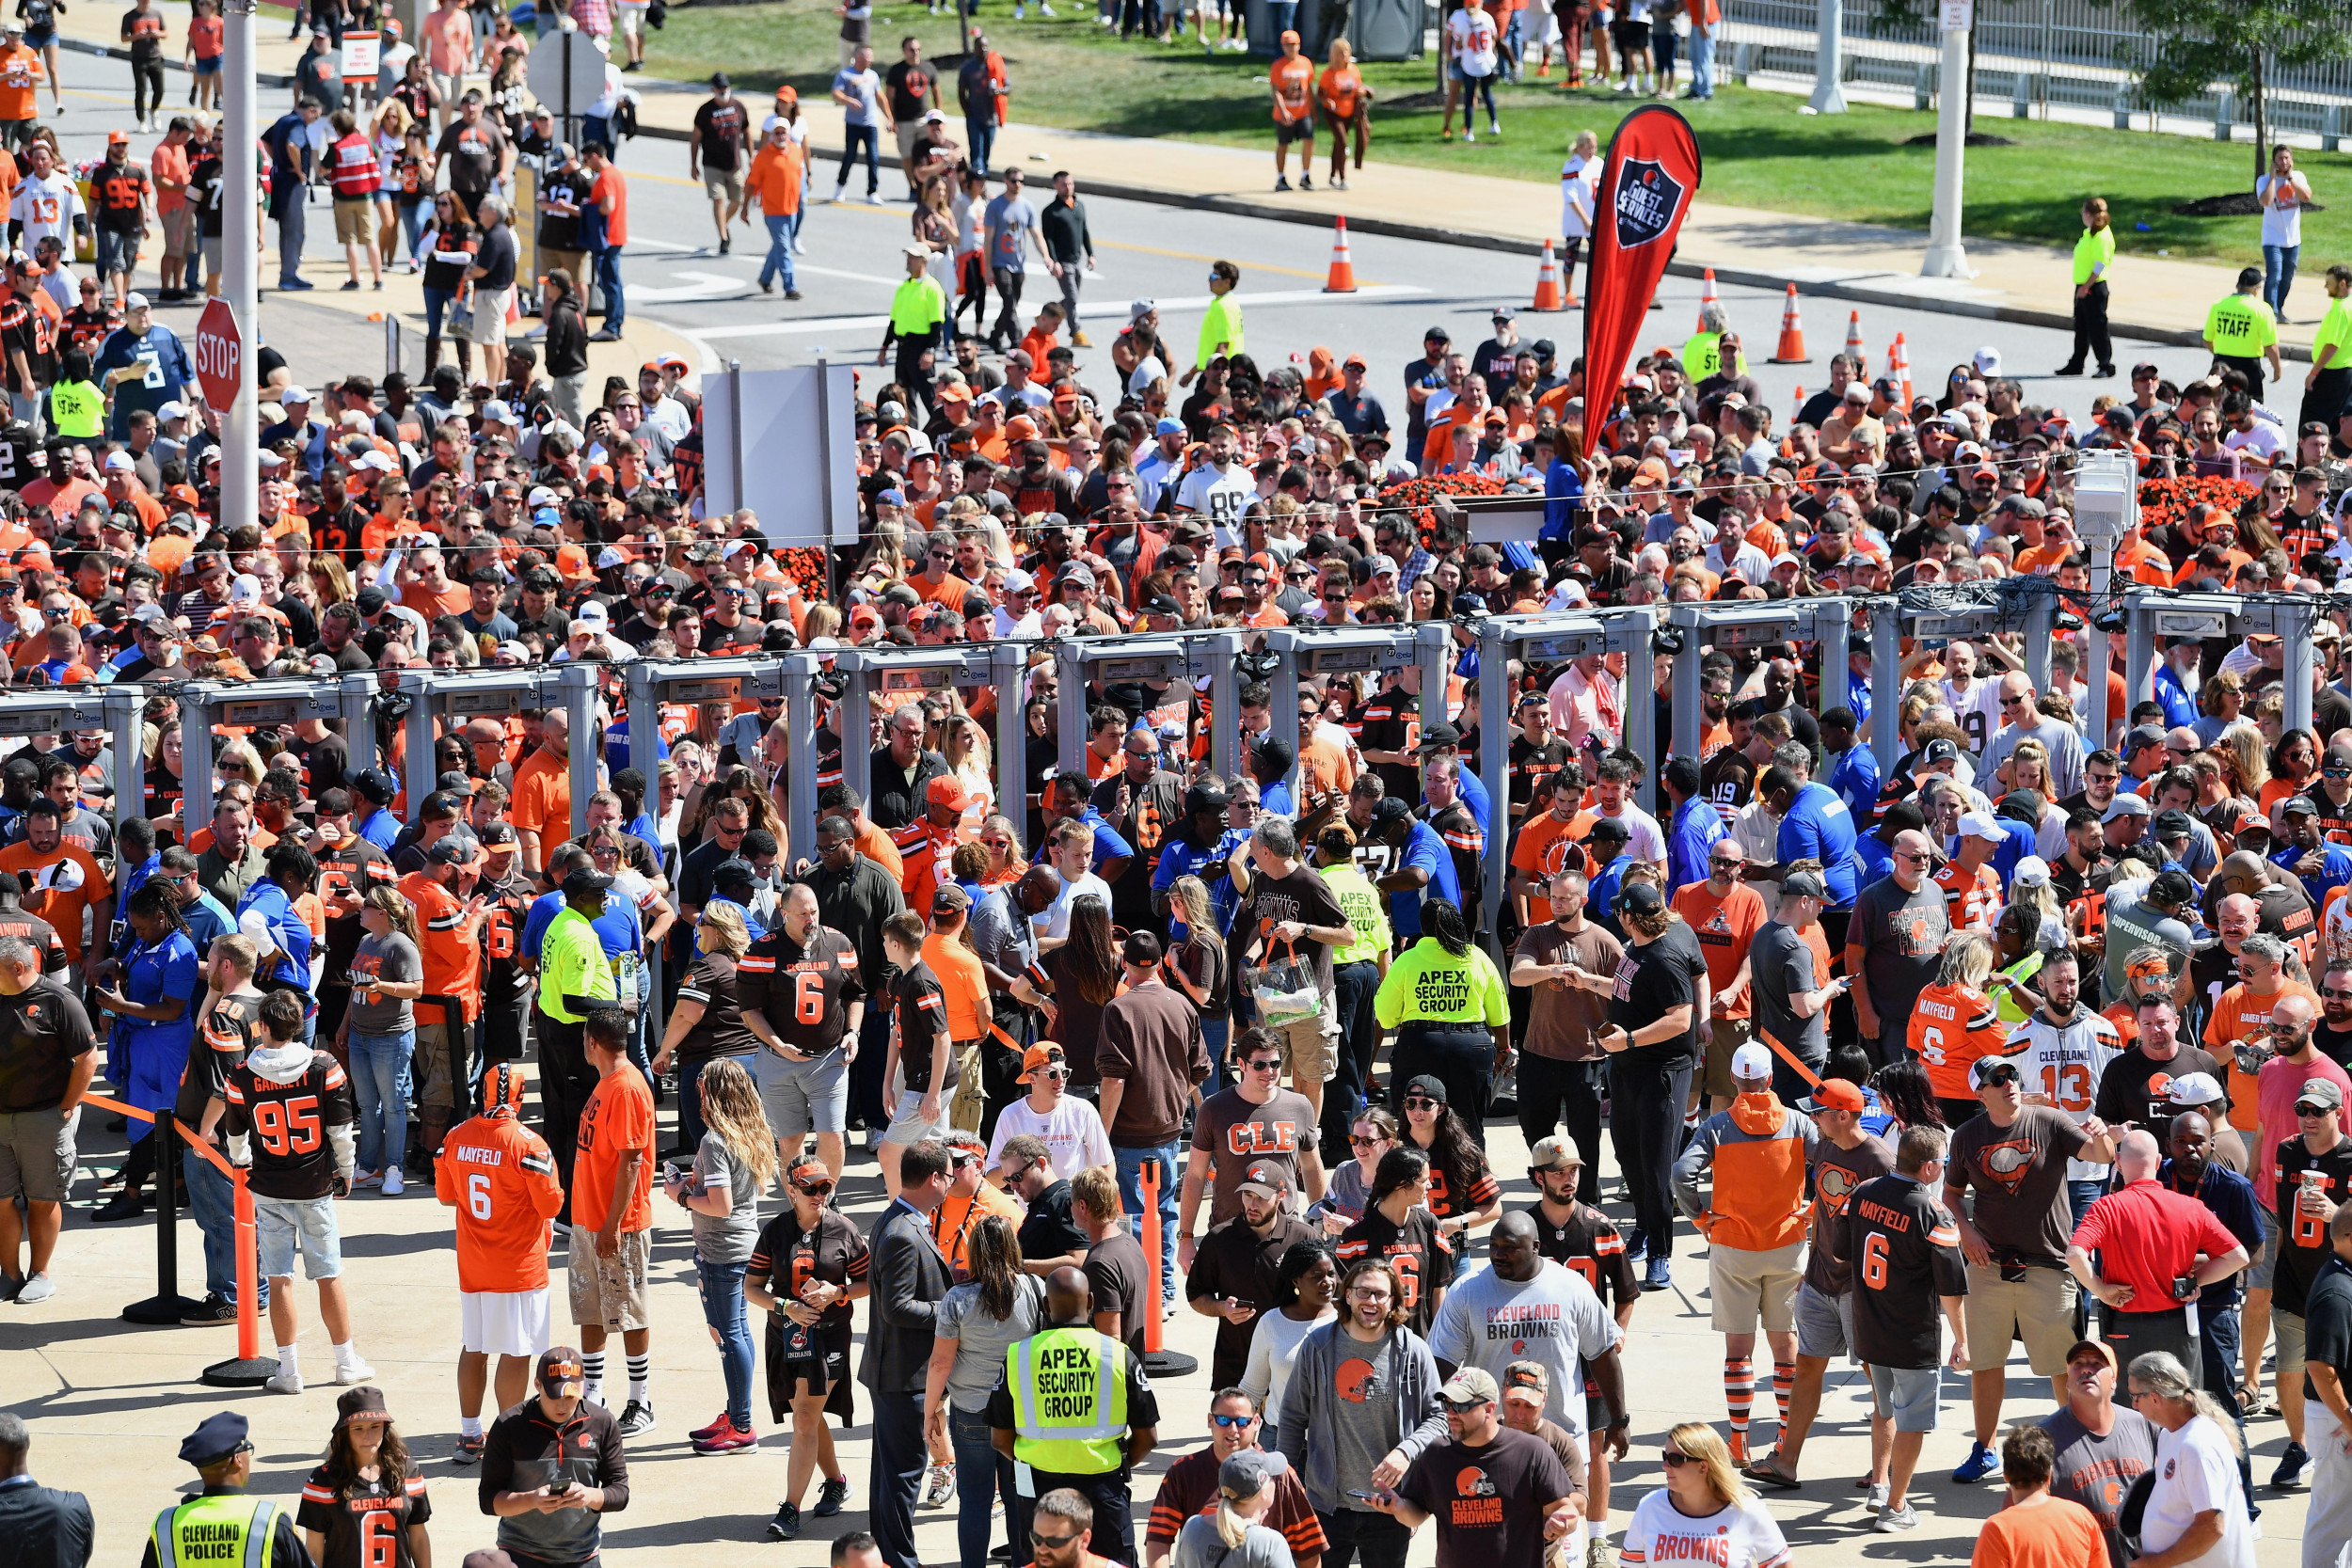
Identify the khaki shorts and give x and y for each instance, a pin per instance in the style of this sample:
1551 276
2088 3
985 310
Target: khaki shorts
489 316
179 230
2293 1337
2039 1310
609 1290
432 1072
1725 1036
723 186
1746 1286
355 219
37 1154
1311 1052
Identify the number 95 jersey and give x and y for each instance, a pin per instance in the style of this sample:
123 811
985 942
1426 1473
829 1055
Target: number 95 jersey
288 1122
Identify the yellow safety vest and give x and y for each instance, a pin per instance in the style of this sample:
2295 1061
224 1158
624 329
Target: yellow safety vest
228 1530
1703 356
79 406
1069 1401
2092 252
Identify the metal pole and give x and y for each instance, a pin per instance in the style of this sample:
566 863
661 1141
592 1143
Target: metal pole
358 699
2041 624
1007 663
1640 700
2139 657
240 270
2295 670
1494 741
800 795
825 424
855 720
579 681
1947 257
1687 716
122 707
1224 758
1886 686
1828 59
1434 651
415 743
1069 710
195 764
1283 684
734 418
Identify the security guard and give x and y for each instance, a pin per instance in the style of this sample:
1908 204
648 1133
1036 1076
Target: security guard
1703 353
2243 333
1074 1410
918 313
215 1529
1446 1001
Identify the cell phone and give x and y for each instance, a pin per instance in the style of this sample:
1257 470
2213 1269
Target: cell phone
1365 1496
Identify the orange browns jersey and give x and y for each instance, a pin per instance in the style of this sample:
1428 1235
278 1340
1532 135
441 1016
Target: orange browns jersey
58 886
1724 926
2236 1017
500 1177
1970 902
452 947
1950 1029
927 863
1547 844
1339 88
1294 88
542 799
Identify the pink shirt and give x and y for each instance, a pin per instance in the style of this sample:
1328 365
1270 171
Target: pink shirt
448 41
2276 1092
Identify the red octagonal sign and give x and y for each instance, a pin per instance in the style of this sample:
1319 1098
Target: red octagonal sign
219 355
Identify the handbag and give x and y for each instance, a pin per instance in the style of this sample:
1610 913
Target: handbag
1285 987
592 226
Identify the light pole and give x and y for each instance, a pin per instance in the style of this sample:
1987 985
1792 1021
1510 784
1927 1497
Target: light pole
1829 60
241 269
1947 257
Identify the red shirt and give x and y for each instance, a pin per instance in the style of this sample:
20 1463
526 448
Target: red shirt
2147 1236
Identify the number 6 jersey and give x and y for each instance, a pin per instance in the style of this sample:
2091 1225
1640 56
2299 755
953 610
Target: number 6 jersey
803 992
500 1178
289 1121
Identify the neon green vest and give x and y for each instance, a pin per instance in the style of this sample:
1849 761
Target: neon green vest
80 408
2005 1006
1069 1401
1365 917
1703 356
227 1530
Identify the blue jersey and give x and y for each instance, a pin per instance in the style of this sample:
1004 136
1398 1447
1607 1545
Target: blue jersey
206 920
381 829
1108 845
1696 826
1600 895
291 964
1819 826
1474 796
1275 800
134 877
616 748
1426 848
1853 773
1181 857
544 909
2337 872
164 371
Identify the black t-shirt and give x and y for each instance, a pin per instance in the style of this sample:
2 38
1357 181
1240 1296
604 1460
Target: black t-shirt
496 259
354 867
2140 1092
471 154
2303 1244
787 1258
1421 1257
1236 1261
1653 980
121 197
366 1524
720 126
144 30
229 1032
42 1030
1048 1230
1121 1277
922 1020
1488 1501
1530 761
2327 1323
911 87
720 1031
1591 1246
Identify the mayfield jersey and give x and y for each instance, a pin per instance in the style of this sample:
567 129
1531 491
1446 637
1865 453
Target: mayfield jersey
500 1179
1590 1246
802 990
366 1524
1950 1027
292 1156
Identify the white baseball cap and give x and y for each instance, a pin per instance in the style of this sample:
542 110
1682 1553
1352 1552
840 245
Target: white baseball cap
591 616
1976 824
1751 1061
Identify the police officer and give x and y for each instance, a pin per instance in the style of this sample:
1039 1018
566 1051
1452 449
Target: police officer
1076 1409
216 1527
2243 333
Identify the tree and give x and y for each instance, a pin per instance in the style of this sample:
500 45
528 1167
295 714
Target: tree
2238 41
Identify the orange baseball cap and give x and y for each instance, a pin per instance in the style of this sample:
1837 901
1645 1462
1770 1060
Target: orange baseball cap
1039 1056
1021 428
945 791
572 562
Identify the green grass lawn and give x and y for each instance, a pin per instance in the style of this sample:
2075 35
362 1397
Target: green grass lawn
1759 151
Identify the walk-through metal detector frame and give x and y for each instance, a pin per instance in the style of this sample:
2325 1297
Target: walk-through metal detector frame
246 704
1749 624
909 675
118 709
1165 659
2152 612
1307 648
650 683
1891 622
1556 639
458 695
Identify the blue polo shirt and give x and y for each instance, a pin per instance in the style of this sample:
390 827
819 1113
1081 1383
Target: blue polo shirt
1819 826
2338 871
1181 857
381 829
1424 848
1853 774
1696 828
291 963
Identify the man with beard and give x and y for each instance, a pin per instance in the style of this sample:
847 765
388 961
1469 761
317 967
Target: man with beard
1143 803
1584 1241
2281 908
2137 1086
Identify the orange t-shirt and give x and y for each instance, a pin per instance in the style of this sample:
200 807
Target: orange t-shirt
966 984
1546 845
456 599
775 178
1294 81
876 846
1339 87
2234 1016
953 1222
542 799
61 906
618 1118
452 949
1724 926
2053 1533
19 73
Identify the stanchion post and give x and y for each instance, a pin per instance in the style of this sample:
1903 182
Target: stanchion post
166 1305
1156 1361
249 1368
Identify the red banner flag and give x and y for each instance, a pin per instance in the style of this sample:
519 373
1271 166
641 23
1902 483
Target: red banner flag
1647 185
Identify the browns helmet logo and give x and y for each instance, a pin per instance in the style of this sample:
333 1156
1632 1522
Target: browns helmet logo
1355 1379
1471 1481
2160 1086
2006 1164
1835 1184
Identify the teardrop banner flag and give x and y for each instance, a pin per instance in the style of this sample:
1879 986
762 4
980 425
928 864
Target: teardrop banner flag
1647 187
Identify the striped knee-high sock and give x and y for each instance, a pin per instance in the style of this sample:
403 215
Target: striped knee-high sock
1784 1385
1739 1391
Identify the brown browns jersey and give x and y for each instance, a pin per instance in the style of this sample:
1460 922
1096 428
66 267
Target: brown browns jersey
802 990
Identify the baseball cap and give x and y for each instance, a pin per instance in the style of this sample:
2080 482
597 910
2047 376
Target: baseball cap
376 784
1976 824
2032 871
1751 1061
1941 750
1527 1377
945 791
2126 805
1270 1180
1832 1094
1802 884
2142 738
561 1373
592 616
1472 1385
2170 824
1641 898
585 880
1553 1153
2299 806
1247 1472
454 851
497 833
2321 1091
1983 1065
1038 1058
2090 1347
950 899
2196 1088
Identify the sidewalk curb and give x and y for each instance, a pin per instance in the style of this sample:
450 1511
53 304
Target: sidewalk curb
116 52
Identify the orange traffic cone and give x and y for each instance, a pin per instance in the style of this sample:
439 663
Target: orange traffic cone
1853 339
1707 296
1550 295
1342 280
1899 368
1791 349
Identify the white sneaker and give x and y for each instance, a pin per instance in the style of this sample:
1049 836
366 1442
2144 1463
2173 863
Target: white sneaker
285 1383
393 1185
1468 134
352 1372
365 1179
873 198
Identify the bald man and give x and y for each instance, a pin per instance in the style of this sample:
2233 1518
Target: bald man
2155 1240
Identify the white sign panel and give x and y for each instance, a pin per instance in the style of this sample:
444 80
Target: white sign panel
361 55
1960 16
795 446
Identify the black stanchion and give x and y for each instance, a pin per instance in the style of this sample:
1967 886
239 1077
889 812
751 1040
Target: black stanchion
166 1305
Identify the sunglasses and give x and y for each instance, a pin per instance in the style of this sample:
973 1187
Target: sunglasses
1997 1077
814 1189
1056 1541
1233 1421
1357 1141
1461 1407
1674 1459
1055 1074
1420 1103
2305 1110
1272 1064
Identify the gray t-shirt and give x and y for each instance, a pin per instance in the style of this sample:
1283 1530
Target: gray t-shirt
983 1340
1363 1413
2132 925
999 935
1008 223
1901 937
2097 1472
1780 964
733 1238
390 956
863 86
1200 1546
1554 1319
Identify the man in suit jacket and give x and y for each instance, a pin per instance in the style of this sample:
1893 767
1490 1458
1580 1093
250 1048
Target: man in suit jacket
909 1279
38 1527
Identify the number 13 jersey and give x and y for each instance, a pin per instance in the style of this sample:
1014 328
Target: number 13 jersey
2063 1064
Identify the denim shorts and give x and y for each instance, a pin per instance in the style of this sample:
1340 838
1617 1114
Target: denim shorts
1906 1396
280 1223
2266 1265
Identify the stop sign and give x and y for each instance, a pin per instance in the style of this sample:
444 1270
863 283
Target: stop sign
219 355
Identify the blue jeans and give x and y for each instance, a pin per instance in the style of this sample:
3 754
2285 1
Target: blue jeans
851 136
609 284
1131 1163
2279 273
1702 65
979 136
723 1309
1214 1033
379 1076
2080 1195
2220 1335
1514 46
1284 16
976 1456
436 303
412 216
779 249
1662 51
213 1204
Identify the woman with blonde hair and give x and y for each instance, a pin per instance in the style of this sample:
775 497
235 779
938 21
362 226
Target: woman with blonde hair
705 1025
1244 1484
1704 1495
964 746
1197 966
2245 762
1006 860
733 1163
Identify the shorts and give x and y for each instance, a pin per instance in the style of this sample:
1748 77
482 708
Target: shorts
46 37
724 184
118 251
1629 36
2266 1265
609 1290
1302 129
355 219
2039 1310
909 135
910 1127
209 67
489 316
1824 1323
633 17
178 228
279 1223
37 1154
825 1370
431 1071
1746 1286
1725 1036
1311 1046
2293 1338
1906 1396
503 1322
209 248
803 1097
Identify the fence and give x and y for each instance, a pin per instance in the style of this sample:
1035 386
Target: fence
2038 55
